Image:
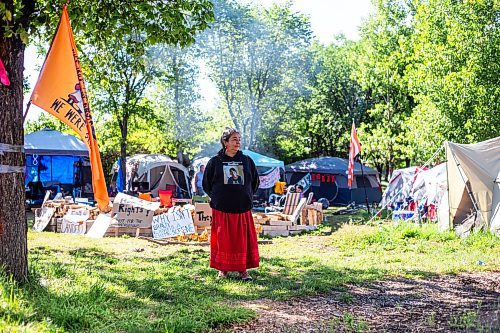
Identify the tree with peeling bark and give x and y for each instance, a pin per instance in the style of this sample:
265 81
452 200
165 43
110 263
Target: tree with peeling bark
94 23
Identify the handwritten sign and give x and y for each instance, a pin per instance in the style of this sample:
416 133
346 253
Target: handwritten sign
173 224
100 226
268 181
202 215
43 220
128 199
133 212
74 221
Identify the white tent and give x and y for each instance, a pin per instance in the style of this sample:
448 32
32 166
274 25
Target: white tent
473 172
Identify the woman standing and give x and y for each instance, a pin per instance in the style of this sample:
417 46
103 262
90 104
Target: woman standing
233 243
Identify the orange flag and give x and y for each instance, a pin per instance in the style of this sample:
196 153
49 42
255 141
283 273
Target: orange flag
60 91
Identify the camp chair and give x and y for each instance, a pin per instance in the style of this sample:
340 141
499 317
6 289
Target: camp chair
165 198
297 211
291 201
309 198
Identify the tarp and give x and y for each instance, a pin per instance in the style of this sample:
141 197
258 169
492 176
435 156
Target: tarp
262 160
400 185
330 165
430 185
474 168
52 142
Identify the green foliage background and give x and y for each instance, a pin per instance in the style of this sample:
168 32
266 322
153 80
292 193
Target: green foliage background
421 73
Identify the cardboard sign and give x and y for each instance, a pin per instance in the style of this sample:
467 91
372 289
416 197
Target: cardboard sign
133 212
128 199
202 215
100 226
46 197
74 221
43 220
173 224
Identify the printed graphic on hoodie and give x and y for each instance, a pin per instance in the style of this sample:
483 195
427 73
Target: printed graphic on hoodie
233 173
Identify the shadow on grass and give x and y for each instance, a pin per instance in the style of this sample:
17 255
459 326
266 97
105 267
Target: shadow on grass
88 289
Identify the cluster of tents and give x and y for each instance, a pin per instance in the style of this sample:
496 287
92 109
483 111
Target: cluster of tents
467 184
464 190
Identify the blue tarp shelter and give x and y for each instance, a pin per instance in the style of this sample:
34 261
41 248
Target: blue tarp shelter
58 158
263 161
329 180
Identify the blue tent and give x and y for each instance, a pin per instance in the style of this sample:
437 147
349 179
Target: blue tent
55 158
329 180
262 160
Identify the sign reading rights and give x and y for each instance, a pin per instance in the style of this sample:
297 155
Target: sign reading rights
74 221
173 224
133 212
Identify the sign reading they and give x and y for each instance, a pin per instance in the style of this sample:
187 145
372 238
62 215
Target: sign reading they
133 212
202 215
173 224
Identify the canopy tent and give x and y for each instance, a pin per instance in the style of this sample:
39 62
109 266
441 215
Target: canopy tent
263 161
52 142
55 158
473 173
155 172
329 180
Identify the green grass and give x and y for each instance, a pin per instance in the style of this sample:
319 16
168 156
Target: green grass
129 285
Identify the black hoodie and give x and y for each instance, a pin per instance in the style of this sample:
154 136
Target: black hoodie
230 182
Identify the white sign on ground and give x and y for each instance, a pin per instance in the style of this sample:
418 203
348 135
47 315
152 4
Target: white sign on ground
173 224
133 212
43 220
74 221
100 226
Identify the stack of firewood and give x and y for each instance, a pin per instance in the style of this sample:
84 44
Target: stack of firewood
277 224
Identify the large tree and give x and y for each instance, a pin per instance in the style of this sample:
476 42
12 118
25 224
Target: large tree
384 55
94 22
252 53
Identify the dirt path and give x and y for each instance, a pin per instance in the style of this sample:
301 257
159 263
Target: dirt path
463 303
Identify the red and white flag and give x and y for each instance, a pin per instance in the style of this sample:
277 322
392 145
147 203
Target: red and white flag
354 150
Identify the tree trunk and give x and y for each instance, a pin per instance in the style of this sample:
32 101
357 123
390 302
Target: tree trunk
13 227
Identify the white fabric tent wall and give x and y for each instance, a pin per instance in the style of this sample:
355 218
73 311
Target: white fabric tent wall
430 185
474 168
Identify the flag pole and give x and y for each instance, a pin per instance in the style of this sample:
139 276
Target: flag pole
27 109
364 184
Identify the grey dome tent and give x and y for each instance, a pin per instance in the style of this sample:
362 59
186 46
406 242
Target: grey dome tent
329 180
156 172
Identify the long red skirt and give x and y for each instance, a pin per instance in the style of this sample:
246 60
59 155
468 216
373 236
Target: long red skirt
233 242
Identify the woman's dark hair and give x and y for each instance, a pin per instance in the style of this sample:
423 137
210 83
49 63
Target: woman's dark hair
228 131
233 169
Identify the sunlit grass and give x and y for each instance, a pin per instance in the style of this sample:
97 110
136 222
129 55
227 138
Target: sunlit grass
130 285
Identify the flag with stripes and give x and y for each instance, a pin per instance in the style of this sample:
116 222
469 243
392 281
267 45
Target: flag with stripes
354 151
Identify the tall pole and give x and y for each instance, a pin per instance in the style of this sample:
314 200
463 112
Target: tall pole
364 185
